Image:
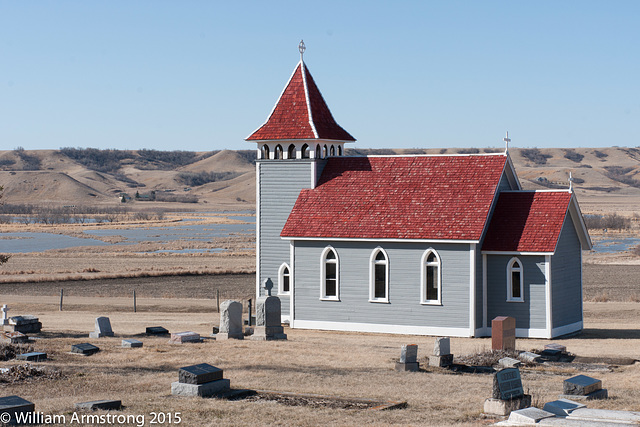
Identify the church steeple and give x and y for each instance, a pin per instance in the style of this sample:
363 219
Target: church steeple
302 118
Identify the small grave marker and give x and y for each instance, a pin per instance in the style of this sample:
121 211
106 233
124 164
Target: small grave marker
527 356
528 416
156 330
100 404
509 362
230 321
26 324
408 358
507 384
503 333
199 374
13 337
184 337
442 356
14 405
555 346
582 387
5 318
103 328
32 357
131 343
562 407
84 349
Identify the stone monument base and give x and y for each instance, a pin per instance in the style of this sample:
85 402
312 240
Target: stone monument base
268 333
594 395
203 390
441 361
504 407
407 366
221 336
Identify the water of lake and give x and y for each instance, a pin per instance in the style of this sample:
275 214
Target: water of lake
38 242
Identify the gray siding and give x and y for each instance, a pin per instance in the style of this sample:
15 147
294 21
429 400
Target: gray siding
404 285
279 184
566 277
528 314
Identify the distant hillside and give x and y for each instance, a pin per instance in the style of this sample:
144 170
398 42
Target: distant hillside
226 179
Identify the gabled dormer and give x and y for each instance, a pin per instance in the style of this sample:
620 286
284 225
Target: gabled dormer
300 125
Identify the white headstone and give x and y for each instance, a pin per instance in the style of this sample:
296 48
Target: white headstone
230 320
409 353
103 328
5 318
442 346
528 416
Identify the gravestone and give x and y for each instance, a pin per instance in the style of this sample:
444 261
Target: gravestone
509 362
528 416
156 330
582 387
199 374
131 343
100 404
555 346
12 406
85 349
201 380
562 407
507 393
13 337
507 384
184 337
551 355
32 357
503 333
103 328
230 321
408 358
527 356
442 356
268 317
5 318
26 324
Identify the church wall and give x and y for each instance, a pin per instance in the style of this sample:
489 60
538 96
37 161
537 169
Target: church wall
279 184
404 308
566 277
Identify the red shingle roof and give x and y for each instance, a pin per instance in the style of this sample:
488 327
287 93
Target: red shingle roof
420 197
527 221
300 113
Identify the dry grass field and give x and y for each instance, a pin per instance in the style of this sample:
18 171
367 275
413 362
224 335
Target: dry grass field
350 365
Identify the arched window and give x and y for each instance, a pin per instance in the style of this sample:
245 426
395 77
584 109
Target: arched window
515 281
379 276
284 280
291 152
431 291
265 151
339 150
329 282
332 151
317 154
324 152
277 154
305 151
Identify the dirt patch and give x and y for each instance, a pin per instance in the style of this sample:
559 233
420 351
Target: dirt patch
318 401
27 372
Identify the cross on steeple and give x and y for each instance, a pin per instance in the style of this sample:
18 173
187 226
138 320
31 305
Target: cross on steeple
506 140
301 48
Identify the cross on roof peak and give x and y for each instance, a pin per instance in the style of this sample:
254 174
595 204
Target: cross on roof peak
301 48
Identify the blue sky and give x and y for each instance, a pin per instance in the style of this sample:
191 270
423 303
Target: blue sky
202 75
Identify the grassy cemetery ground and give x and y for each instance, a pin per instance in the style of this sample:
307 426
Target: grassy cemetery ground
350 365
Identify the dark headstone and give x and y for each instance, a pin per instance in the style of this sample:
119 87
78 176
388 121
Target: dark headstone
581 385
84 348
100 404
32 357
551 354
507 384
503 333
156 330
14 405
199 374
131 343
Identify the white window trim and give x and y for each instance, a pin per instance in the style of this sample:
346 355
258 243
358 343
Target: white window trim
423 278
372 272
510 269
323 272
281 279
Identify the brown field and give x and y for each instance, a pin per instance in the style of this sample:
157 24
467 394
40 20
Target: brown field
319 362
